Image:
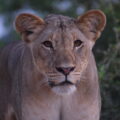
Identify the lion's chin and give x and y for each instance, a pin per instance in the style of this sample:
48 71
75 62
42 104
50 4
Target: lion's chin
64 90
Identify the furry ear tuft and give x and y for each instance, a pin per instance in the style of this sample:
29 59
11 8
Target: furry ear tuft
27 24
92 23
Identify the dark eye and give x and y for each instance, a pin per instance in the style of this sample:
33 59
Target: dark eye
48 44
77 43
28 32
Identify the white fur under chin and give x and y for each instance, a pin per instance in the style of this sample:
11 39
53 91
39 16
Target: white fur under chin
64 90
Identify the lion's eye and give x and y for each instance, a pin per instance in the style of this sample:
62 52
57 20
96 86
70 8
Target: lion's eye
28 32
77 43
48 44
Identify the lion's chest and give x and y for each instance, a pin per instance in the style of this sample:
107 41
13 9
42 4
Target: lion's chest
73 109
39 113
60 110
41 109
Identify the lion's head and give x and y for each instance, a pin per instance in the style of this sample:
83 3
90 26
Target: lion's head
61 46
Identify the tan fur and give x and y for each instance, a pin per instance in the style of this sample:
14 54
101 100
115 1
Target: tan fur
28 67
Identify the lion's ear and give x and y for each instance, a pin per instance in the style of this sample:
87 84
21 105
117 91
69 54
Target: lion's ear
27 24
92 23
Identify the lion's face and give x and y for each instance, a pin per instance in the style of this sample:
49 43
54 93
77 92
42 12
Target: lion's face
61 48
64 56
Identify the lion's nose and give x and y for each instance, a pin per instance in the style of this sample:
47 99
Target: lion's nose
65 70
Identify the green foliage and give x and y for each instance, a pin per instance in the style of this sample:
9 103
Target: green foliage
109 67
10 5
2 44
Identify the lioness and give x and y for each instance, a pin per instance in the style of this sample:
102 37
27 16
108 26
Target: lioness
51 73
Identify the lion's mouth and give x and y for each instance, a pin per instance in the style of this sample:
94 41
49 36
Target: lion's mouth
65 83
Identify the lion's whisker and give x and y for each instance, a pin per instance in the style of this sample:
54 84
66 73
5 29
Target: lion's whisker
75 74
54 75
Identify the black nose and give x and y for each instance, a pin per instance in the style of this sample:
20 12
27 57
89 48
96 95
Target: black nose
65 70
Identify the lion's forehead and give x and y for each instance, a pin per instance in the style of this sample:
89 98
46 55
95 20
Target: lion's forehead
66 34
61 30
62 26
59 20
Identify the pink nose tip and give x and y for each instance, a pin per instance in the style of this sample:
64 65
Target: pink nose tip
65 70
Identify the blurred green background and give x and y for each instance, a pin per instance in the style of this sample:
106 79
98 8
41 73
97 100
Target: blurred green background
106 50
